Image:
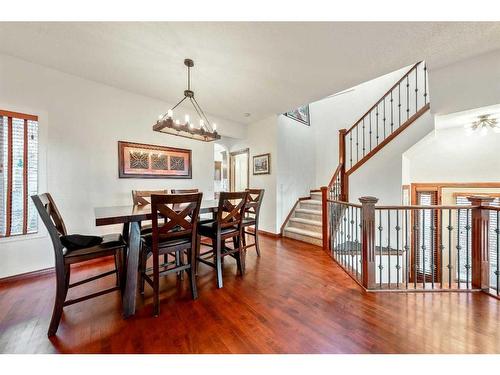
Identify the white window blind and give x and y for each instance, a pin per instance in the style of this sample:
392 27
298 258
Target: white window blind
18 173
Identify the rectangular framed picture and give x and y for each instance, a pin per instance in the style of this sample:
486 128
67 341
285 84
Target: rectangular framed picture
262 164
137 160
300 114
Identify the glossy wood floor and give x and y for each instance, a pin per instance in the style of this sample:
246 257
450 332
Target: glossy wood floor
294 299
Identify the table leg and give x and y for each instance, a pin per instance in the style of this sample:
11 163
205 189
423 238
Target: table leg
132 266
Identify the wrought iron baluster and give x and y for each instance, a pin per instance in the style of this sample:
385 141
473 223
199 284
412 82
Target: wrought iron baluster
416 89
398 228
357 241
467 249
363 137
425 83
351 222
432 230
423 247
441 247
415 247
458 248
370 114
350 147
376 115
380 267
357 143
407 97
407 251
497 231
450 228
392 114
399 103
384 118
389 248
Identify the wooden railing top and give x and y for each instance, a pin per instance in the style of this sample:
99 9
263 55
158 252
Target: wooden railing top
335 175
344 203
384 96
429 207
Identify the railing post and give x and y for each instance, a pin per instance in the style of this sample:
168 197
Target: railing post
324 218
344 189
368 241
480 242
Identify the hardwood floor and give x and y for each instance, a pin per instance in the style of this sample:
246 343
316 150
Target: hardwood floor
294 299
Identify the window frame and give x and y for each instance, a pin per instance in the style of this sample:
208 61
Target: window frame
11 115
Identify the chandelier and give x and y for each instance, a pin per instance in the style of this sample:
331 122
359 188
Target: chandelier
166 124
482 125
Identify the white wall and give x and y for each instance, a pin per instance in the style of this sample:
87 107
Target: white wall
467 84
262 139
382 175
449 155
341 111
296 164
80 124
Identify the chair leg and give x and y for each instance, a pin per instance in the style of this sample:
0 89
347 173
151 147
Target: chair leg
239 265
62 279
218 262
197 254
156 284
178 262
142 264
256 235
192 275
118 268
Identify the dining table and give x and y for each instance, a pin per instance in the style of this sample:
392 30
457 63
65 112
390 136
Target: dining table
131 217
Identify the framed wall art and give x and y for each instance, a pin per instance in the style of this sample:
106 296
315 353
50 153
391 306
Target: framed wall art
262 164
137 160
300 114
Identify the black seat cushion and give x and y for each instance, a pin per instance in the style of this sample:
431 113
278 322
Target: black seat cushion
248 221
79 241
147 240
210 229
108 242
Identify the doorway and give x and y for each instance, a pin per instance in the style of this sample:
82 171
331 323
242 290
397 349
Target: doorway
239 166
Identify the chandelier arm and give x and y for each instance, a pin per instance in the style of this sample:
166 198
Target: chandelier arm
175 106
204 116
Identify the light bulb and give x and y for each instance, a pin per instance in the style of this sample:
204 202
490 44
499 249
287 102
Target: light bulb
170 113
186 118
201 124
215 126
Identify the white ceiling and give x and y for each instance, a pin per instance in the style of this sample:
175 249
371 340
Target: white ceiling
260 68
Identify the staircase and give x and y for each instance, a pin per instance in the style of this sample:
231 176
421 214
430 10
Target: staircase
304 221
405 102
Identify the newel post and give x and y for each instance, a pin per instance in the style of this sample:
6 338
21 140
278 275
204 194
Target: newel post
344 189
324 218
368 241
480 242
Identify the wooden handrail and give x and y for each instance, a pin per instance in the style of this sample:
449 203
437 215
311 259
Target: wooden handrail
335 175
384 96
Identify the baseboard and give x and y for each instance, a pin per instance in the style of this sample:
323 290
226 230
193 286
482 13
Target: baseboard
265 233
27 275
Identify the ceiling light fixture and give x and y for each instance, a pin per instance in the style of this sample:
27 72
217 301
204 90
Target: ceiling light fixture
482 125
166 124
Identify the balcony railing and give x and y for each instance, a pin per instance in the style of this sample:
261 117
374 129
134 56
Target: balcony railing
416 248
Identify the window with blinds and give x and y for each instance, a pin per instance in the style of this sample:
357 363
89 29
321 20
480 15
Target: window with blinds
426 245
18 173
465 241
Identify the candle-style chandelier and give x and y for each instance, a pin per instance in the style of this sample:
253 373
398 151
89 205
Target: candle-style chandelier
166 124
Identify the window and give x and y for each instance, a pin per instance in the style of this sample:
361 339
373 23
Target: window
18 173
427 260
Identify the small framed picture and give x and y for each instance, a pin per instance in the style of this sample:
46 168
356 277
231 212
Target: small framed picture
262 164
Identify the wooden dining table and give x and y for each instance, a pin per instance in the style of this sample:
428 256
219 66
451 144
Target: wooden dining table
131 217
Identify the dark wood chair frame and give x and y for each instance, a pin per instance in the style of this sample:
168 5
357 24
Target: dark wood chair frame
229 215
180 213
251 217
63 259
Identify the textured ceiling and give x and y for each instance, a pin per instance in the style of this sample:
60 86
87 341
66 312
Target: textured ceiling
259 68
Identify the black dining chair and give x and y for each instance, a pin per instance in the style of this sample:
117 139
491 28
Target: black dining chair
251 217
71 249
227 226
176 234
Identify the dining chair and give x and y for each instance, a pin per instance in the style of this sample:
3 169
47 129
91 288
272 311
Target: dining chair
184 191
176 234
72 249
251 217
143 197
228 225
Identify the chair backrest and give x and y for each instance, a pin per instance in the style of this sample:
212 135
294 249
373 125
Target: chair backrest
180 213
143 197
52 219
184 191
231 208
254 201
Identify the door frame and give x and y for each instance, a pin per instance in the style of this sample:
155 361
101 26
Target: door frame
231 166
